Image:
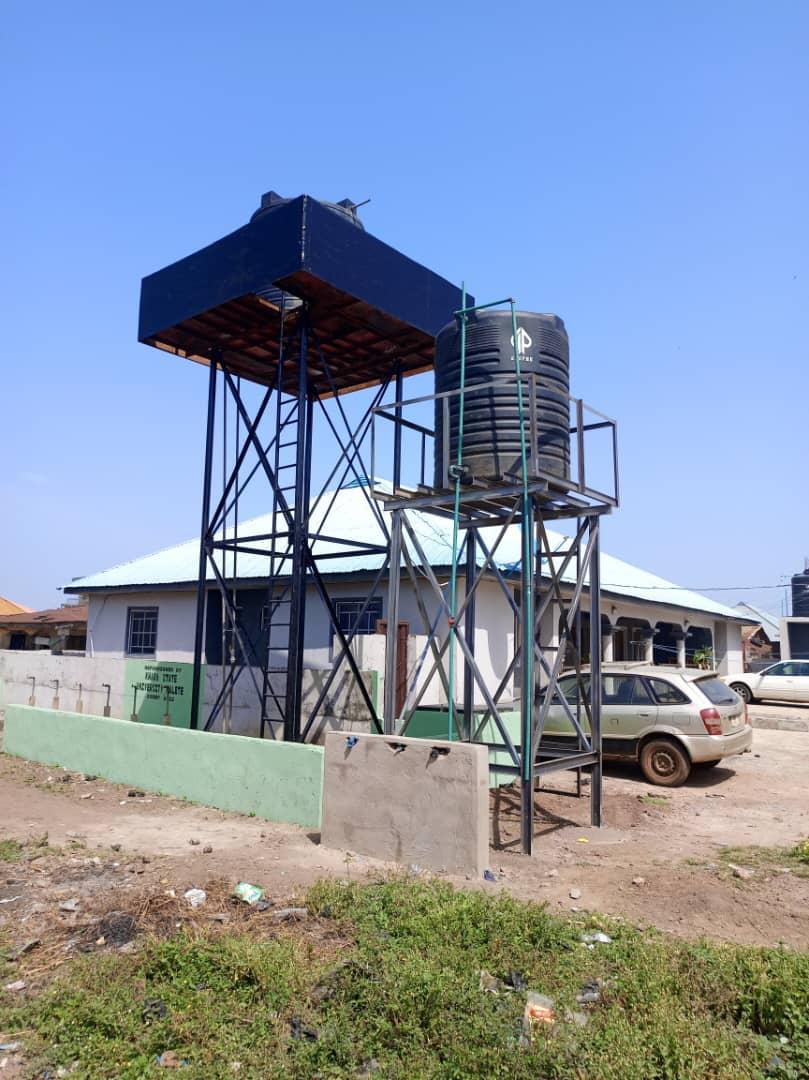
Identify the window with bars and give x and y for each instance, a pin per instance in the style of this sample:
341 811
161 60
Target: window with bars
141 631
347 611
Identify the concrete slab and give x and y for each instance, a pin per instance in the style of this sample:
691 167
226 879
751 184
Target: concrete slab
408 801
789 724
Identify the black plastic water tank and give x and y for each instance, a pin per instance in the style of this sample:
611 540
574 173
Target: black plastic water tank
270 201
800 595
346 208
491 429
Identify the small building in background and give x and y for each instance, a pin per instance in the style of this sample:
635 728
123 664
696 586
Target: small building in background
761 637
57 630
8 607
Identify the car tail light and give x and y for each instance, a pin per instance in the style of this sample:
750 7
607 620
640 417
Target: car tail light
711 720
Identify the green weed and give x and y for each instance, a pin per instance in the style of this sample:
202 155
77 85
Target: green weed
770 859
10 851
403 999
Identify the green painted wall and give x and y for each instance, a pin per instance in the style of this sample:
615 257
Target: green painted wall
159 692
274 780
432 724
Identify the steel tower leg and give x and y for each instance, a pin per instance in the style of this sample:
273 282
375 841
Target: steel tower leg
391 642
204 539
527 695
300 532
469 634
595 669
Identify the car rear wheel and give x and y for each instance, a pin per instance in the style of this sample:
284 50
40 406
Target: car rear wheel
665 763
743 690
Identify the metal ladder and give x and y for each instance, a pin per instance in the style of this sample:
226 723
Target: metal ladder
276 615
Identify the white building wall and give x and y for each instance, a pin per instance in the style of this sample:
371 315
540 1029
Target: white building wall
107 615
494 641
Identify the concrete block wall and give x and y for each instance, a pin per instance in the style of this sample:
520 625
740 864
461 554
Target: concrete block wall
408 800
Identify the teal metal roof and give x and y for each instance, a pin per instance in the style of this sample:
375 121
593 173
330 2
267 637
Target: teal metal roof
352 515
753 615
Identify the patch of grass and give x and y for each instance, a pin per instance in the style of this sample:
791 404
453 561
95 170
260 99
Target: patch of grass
661 801
770 859
405 994
10 850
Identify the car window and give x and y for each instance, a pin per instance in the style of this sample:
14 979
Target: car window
716 691
569 687
776 669
803 668
667 694
624 690
794 667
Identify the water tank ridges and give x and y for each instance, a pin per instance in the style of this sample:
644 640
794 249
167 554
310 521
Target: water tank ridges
800 595
491 432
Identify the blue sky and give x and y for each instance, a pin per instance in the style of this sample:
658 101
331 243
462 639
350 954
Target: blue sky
642 170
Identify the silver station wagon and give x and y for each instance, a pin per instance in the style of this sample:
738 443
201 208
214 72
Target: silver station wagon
669 720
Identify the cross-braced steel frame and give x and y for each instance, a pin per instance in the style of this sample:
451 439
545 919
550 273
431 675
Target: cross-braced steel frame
274 445
557 580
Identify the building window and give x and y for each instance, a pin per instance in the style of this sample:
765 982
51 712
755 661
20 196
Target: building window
348 610
141 631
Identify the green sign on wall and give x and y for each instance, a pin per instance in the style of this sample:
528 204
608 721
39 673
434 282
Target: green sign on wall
159 692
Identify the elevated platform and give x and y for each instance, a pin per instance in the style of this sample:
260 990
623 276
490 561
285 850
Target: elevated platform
370 310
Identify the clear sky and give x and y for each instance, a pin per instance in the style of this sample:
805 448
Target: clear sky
640 169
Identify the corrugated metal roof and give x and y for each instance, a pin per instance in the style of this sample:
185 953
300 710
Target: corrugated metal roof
354 517
754 615
70 614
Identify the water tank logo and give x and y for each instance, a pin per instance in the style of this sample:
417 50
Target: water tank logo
524 341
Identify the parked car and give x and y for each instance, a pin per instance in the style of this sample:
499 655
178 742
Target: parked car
787 681
667 719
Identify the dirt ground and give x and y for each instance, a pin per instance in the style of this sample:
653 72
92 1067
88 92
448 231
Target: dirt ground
92 847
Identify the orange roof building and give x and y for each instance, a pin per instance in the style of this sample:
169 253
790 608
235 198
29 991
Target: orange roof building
8 607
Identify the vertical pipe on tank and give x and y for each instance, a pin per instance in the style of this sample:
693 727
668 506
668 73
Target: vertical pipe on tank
527 704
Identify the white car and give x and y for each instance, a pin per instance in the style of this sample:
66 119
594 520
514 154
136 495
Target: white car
667 719
787 681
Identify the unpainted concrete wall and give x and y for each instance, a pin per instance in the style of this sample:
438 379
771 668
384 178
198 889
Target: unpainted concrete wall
343 707
408 800
274 780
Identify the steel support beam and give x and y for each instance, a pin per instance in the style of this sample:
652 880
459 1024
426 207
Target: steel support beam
595 670
527 680
469 634
204 540
300 529
392 638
